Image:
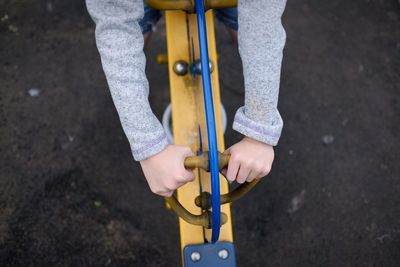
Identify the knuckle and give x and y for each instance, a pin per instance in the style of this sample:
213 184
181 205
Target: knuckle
171 186
266 170
162 193
244 163
157 191
235 157
154 190
168 194
191 177
259 168
249 164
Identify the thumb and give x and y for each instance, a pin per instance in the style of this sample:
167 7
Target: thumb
227 151
188 152
189 175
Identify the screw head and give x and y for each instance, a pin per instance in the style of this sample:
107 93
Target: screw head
223 254
195 256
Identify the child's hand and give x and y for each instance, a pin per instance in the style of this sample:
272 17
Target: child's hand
165 171
250 159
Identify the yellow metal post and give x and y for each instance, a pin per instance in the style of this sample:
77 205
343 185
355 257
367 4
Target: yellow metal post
188 115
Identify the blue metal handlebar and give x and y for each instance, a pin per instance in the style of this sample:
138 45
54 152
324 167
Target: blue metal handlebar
210 119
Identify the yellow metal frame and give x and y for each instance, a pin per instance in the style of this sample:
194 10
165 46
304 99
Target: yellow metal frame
188 116
188 5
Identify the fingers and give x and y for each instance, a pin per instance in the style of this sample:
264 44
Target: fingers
233 168
265 170
187 152
165 194
186 175
170 187
244 172
253 175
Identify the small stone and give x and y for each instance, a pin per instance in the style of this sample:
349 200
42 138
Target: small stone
328 139
297 202
64 146
4 18
49 6
34 92
345 121
383 166
360 68
383 237
13 28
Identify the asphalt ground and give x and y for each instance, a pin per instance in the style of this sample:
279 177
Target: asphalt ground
71 194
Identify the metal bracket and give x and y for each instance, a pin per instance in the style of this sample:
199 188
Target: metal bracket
220 254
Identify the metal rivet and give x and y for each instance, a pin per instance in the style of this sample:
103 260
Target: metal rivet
195 256
197 66
181 68
223 254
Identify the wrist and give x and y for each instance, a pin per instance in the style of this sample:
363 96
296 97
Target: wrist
254 141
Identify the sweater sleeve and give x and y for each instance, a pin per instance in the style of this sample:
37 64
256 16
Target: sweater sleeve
120 43
261 41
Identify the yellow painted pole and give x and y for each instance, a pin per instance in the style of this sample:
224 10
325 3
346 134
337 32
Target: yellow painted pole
188 115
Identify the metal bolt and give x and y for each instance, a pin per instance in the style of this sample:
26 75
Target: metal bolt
223 254
198 66
181 68
195 256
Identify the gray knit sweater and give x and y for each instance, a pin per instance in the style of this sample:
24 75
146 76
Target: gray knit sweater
120 43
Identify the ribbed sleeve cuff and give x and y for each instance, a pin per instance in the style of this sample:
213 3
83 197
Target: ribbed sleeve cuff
151 148
269 133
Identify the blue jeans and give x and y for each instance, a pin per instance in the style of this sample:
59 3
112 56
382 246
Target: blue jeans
228 16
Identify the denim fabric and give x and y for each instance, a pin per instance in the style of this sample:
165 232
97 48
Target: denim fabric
228 16
150 18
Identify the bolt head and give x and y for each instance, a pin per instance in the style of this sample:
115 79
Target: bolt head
181 68
198 66
223 254
195 256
